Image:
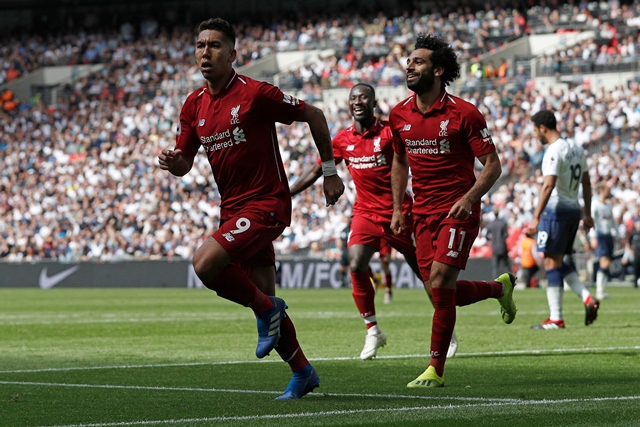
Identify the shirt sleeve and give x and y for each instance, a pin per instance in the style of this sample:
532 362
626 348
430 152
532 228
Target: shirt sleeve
337 147
186 137
277 105
550 162
478 135
396 141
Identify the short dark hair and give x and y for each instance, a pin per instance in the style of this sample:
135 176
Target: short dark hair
442 55
219 24
545 118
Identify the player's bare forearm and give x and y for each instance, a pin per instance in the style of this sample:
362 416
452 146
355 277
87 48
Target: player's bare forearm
307 178
319 130
587 221
399 179
587 193
486 178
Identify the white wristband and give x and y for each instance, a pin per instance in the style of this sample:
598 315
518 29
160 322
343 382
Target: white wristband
329 168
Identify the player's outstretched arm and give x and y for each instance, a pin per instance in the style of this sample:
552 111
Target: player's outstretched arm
307 178
333 185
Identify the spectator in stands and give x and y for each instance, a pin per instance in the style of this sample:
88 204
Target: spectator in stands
497 232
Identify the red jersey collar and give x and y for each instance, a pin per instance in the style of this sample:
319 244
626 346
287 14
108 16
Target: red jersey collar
226 87
377 124
438 105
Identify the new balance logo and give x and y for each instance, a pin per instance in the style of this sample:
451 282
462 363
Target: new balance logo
406 127
201 122
453 254
350 147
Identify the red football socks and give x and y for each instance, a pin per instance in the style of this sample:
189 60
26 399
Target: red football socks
468 292
444 321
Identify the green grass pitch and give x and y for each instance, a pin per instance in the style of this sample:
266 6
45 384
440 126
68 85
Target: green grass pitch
185 357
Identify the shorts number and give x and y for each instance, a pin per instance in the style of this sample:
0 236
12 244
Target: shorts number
243 225
452 238
542 239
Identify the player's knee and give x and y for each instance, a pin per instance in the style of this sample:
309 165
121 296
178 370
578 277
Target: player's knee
208 266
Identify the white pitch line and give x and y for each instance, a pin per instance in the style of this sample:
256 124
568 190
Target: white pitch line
331 359
350 412
277 393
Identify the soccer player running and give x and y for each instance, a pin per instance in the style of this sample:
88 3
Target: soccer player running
439 136
232 117
366 148
604 227
556 217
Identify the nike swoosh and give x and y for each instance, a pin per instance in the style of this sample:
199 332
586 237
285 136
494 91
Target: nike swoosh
47 282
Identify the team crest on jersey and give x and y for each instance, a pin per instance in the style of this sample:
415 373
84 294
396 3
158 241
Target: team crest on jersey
443 128
234 115
376 145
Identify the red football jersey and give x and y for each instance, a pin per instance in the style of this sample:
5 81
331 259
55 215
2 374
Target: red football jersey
369 157
441 145
237 129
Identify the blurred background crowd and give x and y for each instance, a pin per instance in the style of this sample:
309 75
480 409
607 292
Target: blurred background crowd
79 179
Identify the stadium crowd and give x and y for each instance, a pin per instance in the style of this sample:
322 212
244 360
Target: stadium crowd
79 179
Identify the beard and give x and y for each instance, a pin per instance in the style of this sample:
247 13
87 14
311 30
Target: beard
423 84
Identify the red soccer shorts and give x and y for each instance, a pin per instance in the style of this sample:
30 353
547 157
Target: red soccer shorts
248 237
445 240
370 232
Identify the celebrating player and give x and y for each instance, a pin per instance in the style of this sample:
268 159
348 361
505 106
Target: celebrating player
439 136
233 118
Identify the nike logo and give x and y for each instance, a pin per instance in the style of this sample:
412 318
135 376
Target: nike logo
47 282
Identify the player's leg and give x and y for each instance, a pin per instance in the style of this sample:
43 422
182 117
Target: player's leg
440 279
604 253
364 296
304 377
406 246
236 240
385 259
556 233
570 277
